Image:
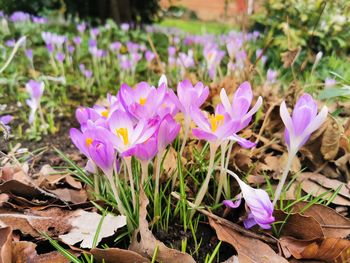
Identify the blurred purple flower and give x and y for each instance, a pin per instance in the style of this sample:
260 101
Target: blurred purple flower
81 27
19 16
35 90
149 55
271 76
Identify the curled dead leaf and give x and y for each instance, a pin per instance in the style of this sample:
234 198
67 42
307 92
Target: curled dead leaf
295 223
333 224
112 255
144 242
5 245
325 249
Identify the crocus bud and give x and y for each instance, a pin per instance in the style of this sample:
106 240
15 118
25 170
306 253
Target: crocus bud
303 123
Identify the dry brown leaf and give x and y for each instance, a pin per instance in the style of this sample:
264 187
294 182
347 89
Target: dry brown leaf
331 138
290 56
248 249
15 172
6 245
112 255
53 221
70 195
295 225
317 184
144 243
278 163
333 224
24 252
327 249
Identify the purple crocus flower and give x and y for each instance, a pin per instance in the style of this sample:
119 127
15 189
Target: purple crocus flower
186 60
303 123
94 32
213 57
142 102
5 120
60 57
35 90
71 49
115 46
149 55
329 83
239 109
29 54
258 204
145 151
190 96
39 20
127 134
167 132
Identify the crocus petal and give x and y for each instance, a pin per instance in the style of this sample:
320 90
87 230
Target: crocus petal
225 100
203 135
254 109
287 120
316 122
241 141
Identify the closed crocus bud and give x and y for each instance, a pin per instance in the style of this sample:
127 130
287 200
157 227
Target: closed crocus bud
103 155
303 123
145 151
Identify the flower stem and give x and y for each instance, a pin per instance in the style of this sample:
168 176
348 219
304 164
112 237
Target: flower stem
280 185
156 187
222 177
186 131
116 194
204 187
144 171
131 180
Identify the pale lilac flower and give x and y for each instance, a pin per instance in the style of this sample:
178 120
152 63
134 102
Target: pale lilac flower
233 46
303 123
35 90
77 40
71 49
213 57
81 27
186 60
167 132
145 151
19 16
39 20
94 32
329 83
10 43
115 46
125 26
271 76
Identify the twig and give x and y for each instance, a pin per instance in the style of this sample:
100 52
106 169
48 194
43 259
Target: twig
232 225
155 53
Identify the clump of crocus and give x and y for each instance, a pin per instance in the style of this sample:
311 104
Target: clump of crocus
258 205
222 127
35 90
299 127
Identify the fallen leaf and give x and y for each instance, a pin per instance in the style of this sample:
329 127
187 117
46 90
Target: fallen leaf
5 245
295 225
81 231
71 195
248 249
317 184
112 255
24 251
144 243
327 249
333 224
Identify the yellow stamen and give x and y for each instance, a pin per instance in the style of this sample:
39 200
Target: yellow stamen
104 113
142 101
88 141
123 133
216 121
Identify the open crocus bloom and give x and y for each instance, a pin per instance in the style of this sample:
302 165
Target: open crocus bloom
143 101
258 204
35 90
303 123
217 127
190 96
241 102
127 133
95 144
213 57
